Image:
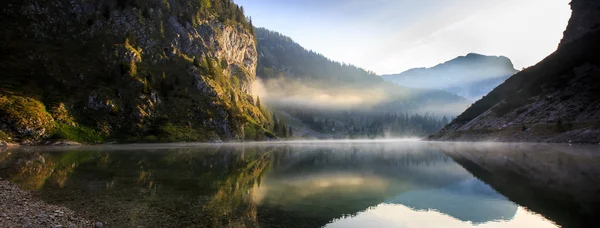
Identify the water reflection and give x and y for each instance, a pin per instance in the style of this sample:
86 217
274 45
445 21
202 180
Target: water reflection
392 184
561 182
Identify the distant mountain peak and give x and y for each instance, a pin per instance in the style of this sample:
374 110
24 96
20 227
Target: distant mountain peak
474 55
470 76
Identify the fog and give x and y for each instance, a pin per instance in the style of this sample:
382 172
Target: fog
284 92
290 92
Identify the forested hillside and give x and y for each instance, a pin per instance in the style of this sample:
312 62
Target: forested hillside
280 54
129 70
342 100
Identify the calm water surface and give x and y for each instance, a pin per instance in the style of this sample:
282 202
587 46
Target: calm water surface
327 184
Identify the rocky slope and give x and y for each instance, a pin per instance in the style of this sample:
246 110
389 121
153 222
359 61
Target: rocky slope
557 100
470 76
127 70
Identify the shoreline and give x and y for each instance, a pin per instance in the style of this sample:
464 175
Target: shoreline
19 208
430 139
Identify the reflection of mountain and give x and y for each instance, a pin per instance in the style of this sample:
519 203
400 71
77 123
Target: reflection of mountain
396 215
560 182
469 200
325 184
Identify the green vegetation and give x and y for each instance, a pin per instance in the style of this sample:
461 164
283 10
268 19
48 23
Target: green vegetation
365 125
77 134
172 133
105 84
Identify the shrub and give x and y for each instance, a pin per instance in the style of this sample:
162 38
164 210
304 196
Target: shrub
26 117
61 114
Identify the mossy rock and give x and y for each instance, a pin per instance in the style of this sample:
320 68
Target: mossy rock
24 118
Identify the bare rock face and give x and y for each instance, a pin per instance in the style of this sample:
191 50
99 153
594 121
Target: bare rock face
239 50
585 19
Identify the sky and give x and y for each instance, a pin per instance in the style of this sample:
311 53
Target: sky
391 36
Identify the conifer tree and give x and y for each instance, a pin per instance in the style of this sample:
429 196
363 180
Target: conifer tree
283 130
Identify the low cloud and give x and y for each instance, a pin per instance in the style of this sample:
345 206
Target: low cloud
284 91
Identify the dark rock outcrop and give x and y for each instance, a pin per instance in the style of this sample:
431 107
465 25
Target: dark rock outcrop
584 19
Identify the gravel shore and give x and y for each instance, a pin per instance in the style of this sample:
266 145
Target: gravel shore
18 208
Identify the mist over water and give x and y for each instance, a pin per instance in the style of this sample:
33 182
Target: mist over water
332 183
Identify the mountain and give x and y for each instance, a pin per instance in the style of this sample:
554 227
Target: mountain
279 54
470 76
557 100
343 100
288 69
102 70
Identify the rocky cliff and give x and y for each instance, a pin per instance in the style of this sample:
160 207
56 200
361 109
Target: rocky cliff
557 100
584 19
127 70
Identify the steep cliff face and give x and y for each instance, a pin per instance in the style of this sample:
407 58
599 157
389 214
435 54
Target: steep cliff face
557 100
127 70
584 19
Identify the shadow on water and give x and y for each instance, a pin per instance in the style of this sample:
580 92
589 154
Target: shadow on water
310 184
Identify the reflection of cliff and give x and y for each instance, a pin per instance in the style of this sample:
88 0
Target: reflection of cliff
560 182
179 187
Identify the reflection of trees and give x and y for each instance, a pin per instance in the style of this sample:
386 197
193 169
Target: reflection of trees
206 186
32 170
234 194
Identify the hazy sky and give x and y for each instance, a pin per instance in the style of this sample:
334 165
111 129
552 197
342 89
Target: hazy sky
390 36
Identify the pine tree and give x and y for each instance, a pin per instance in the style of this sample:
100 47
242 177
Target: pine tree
290 133
275 124
283 131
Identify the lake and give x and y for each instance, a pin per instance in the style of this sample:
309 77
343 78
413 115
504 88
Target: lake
394 183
